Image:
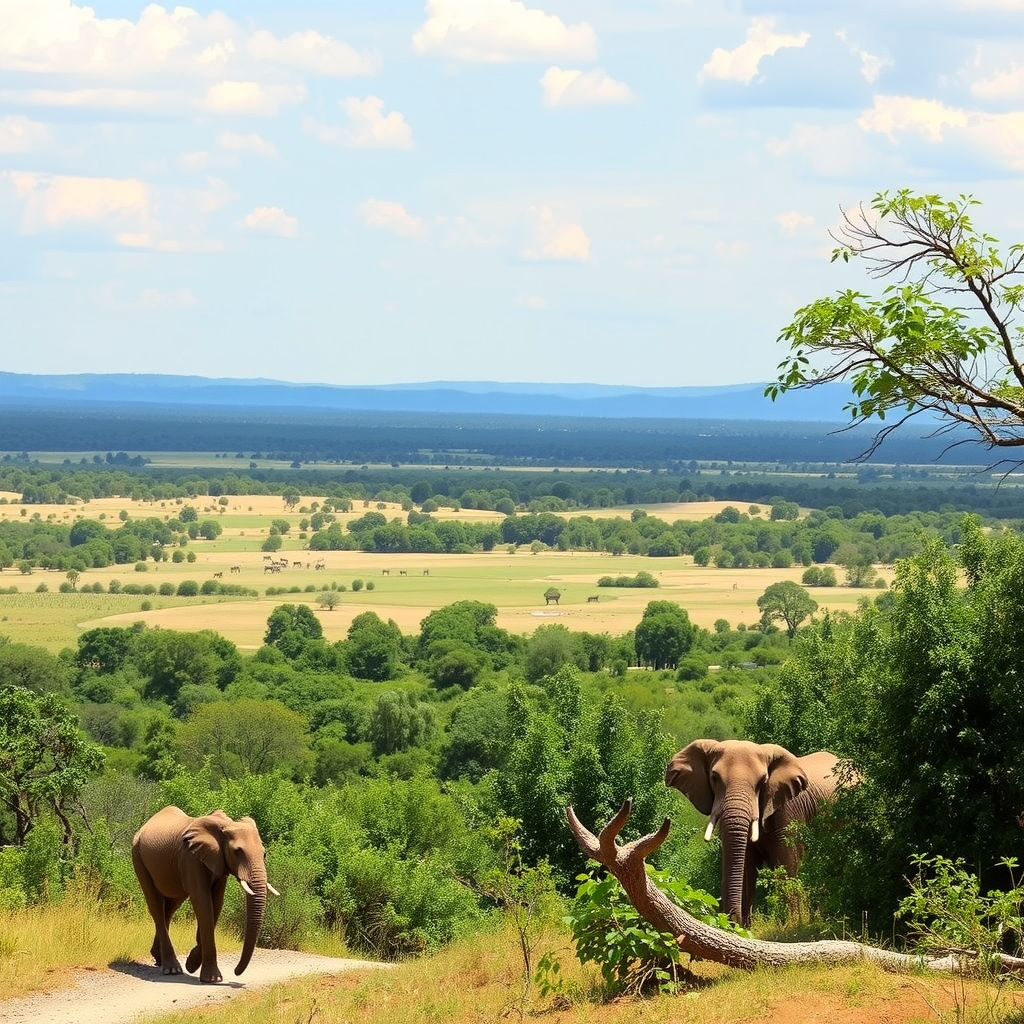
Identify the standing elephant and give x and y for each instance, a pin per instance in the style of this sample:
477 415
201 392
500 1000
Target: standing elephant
178 858
752 792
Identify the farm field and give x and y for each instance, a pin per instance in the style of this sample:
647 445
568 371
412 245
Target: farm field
406 587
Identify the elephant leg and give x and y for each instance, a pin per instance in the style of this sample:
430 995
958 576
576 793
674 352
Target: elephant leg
170 906
206 905
158 905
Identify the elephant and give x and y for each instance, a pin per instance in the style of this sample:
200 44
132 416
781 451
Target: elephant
177 858
752 792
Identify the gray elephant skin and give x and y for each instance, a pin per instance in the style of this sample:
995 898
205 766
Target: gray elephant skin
178 858
752 792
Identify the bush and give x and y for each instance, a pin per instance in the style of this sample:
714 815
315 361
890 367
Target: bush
187 588
357 585
632 955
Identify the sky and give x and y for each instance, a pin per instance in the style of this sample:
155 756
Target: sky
385 191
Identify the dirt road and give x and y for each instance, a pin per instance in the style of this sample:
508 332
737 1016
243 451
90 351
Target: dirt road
129 992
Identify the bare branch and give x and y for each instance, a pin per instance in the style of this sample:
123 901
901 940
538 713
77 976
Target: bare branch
697 939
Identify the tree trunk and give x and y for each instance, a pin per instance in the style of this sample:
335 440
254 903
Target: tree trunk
697 939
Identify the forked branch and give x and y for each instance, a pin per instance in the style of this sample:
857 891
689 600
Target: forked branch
706 942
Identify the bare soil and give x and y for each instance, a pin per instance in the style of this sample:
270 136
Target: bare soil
130 991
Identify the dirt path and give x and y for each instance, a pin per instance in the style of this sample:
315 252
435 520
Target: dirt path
129 992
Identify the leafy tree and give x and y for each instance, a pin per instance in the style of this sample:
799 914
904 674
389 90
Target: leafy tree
244 737
940 340
663 635
175 659
45 758
374 647
398 721
548 649
33 668
290 627
787 602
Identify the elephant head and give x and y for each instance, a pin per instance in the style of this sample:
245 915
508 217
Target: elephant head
749 792
226 846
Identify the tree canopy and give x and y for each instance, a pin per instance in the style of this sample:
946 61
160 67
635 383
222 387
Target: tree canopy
940 340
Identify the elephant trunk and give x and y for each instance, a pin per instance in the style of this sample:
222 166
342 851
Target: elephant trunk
255 887
735 832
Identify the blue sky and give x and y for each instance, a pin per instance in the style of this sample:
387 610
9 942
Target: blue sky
631 192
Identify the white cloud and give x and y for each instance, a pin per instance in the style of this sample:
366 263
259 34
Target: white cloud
371 128
741 64
494 31
251 98
564 87
270 220
898 115
233 142
791 221
534 302
461 231
391 216
52 202
552 239
154 298
19 134
1002 85
311 51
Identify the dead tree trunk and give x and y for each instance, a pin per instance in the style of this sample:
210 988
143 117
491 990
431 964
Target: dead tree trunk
697 939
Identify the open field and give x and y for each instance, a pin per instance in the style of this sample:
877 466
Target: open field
406 586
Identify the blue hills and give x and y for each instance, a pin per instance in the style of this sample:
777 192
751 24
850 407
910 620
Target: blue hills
821 404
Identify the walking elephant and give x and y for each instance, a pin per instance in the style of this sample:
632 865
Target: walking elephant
752 792
178 858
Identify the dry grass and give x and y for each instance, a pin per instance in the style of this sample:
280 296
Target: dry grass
480 979
414 585
40 947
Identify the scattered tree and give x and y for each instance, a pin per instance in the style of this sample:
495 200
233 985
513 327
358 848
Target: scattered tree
788 602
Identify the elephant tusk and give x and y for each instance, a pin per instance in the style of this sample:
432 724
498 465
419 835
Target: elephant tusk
270 888
709 831
754 831
246 886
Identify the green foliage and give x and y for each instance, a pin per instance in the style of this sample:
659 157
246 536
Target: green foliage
923 694
45 760
634 957
887 347
949 913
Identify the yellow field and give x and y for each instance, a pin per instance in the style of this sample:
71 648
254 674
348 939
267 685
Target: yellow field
406 586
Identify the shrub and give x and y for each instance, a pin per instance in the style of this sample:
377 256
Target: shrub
187 588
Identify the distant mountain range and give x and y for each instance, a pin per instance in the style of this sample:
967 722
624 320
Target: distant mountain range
822 404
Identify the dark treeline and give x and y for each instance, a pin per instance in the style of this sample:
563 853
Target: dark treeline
443 439
507 490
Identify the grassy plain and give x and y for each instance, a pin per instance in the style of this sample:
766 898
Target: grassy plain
406 587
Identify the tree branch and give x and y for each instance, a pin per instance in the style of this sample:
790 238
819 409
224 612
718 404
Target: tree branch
700 940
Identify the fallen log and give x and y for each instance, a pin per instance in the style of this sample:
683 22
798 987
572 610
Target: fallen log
706 942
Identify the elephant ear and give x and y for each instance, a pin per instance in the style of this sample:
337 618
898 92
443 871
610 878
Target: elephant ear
786 779
690 772
203 839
